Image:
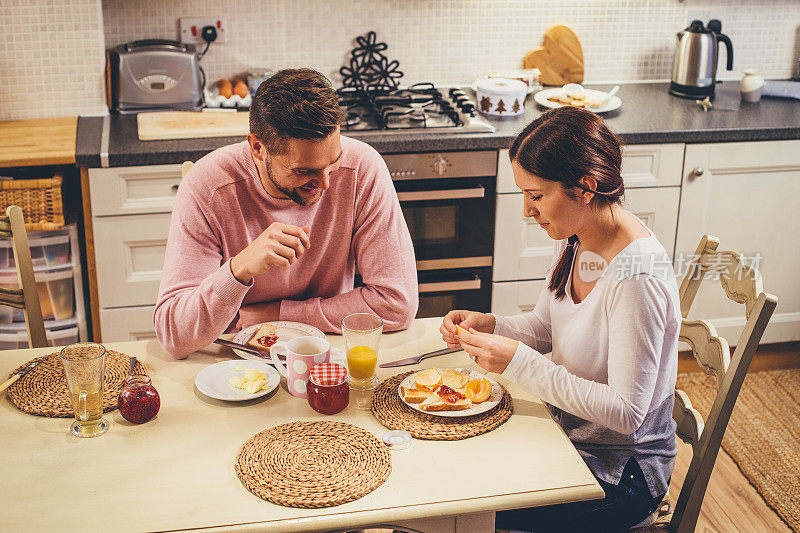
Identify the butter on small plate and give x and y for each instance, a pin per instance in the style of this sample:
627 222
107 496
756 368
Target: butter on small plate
215 380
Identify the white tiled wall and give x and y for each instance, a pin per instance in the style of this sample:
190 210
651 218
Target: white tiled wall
455 41
51 58
446 41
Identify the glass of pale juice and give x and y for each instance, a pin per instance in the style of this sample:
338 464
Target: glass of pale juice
84 365
362 333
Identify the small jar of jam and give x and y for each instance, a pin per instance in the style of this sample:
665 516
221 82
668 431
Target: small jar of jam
328 391
138 400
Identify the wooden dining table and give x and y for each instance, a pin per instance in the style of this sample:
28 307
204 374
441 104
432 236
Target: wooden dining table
176 472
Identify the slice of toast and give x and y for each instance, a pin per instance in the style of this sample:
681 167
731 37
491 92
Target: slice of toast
414 395
435 403
264 337
454 379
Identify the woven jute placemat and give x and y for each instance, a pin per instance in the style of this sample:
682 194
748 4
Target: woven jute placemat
43 390
312 464
393 413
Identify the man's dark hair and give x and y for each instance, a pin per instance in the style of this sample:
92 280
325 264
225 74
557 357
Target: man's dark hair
294 103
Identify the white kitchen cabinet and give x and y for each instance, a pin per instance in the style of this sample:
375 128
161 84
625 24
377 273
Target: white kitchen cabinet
128 323
131 210
643 165
130 258
515 297
134 190
746 194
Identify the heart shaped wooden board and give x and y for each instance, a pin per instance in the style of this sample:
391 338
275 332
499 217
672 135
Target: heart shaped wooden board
560 58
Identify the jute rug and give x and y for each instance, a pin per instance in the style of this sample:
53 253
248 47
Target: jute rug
763 435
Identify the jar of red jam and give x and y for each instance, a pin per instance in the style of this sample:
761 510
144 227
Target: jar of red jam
138 400
328 391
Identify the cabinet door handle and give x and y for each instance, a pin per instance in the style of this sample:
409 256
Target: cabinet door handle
445 194
451 286
174 188
698 171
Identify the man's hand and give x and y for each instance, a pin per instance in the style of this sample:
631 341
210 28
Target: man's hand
278 246
466 319
257 313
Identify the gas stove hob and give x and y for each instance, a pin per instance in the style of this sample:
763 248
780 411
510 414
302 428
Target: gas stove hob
420 108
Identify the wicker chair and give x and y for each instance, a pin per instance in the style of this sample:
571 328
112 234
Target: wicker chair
26 298
743 285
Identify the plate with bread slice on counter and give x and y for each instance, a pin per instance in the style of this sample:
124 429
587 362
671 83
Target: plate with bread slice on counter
450 392
263 336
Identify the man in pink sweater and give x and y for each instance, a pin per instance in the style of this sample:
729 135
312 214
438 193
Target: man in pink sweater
272 228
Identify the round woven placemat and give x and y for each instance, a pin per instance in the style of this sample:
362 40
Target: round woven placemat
393 413
43 390
312 464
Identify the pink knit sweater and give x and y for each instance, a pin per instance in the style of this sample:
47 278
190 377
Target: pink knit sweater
222 206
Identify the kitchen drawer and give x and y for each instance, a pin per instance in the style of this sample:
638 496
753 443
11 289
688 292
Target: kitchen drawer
515 297
127 324
643 165
523 250
129 254
133 190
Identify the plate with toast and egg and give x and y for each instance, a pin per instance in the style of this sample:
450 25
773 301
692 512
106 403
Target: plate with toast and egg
450 392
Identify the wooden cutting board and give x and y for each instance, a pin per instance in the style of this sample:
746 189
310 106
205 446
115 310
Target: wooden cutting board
560 58
165 125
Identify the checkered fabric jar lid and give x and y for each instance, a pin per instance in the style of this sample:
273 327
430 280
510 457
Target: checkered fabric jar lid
328 374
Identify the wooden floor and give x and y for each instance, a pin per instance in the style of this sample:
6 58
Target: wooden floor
731 503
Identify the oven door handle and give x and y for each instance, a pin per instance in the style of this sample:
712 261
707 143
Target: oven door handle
443 194
451 286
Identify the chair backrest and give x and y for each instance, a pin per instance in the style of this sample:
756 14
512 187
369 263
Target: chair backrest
742 284
26 297
185 166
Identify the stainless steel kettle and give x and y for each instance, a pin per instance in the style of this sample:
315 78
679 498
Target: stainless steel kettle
694 71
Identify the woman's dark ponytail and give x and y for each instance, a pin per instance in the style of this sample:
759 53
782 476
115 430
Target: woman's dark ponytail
558 281
565 145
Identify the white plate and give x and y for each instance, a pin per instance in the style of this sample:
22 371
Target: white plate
531 88
542 99
286 332
213 380
492 402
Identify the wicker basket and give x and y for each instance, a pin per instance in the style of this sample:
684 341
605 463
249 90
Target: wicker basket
39 199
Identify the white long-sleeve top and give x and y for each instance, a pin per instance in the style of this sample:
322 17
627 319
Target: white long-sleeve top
607 365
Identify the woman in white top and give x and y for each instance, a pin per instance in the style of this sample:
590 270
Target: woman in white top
600 347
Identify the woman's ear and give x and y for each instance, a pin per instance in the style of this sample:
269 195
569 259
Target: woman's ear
587 182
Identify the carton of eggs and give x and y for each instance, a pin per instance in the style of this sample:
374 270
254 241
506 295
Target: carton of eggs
226 94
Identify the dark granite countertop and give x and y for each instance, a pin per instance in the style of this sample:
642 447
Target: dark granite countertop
648 115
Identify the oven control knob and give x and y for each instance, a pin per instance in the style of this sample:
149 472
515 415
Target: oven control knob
440 166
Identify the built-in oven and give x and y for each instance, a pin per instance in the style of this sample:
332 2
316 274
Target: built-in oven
448 202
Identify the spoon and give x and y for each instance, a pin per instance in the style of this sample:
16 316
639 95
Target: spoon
131 367
611 93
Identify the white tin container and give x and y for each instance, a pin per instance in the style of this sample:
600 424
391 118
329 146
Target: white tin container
501 97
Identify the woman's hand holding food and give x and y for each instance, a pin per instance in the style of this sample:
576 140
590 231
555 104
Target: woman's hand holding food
278 246
466 319
492 352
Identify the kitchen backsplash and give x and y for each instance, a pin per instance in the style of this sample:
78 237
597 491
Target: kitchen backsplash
446 41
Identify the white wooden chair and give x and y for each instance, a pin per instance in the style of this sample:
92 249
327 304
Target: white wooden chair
743 285
12 224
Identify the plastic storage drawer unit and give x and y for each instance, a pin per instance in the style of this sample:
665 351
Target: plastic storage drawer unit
15 340
48 249
56 295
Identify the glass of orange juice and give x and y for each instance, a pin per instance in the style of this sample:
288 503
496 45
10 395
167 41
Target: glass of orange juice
362 333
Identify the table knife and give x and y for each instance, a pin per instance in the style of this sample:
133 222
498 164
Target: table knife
17 375
417 358
248 349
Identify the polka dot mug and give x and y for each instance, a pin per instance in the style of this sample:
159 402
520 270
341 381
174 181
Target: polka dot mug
302 354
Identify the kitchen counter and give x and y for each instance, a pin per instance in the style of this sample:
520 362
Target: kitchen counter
36 142
649 114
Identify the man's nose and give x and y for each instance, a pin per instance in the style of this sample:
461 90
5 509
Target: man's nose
323 181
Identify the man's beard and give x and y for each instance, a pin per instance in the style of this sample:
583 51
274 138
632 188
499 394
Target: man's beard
292 193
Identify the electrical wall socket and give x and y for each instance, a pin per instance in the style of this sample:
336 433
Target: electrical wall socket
705 15
191 26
